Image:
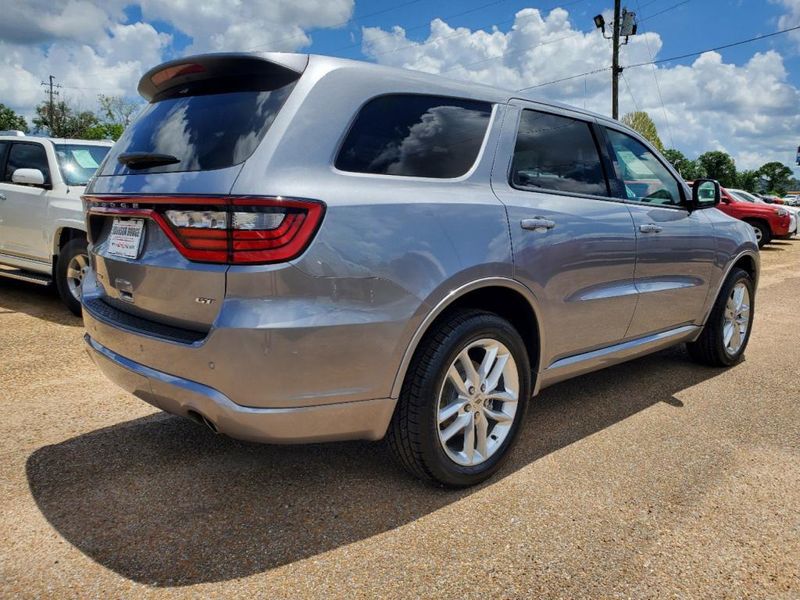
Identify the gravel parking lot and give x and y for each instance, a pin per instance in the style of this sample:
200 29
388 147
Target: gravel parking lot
654 478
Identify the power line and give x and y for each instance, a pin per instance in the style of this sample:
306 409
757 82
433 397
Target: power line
661 12
658 86
664 60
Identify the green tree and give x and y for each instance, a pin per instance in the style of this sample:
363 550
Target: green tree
640 121
778 177
11 120
66 120
747 180
718 165
687 168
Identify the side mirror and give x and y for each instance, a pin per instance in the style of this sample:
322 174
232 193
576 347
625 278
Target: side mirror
706 193
28 177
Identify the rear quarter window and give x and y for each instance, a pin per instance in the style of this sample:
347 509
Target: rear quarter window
415 136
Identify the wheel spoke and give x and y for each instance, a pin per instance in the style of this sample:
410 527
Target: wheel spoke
469 369
450 410
738 297
482 430
497 415
504 396
727 334
456 426
488 362
455 378
469 438
73 273
736 338
497 372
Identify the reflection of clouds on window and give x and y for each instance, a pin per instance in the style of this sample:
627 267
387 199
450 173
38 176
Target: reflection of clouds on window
174 136
203 131
436 137
415 136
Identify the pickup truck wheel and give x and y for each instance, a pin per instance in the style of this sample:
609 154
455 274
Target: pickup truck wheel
763 233
463 400
71 266
727 331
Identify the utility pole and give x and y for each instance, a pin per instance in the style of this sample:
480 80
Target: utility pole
615 68
52 91
624 25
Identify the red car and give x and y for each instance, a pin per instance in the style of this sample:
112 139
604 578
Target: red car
768 221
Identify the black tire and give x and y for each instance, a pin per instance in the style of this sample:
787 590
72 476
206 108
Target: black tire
765 236
71 249
709 349
413 435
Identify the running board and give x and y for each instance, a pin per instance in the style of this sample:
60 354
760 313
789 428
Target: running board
26 276
573 366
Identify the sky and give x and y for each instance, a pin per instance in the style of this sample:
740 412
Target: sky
744 100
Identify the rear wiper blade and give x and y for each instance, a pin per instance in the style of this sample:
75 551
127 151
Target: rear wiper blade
146 160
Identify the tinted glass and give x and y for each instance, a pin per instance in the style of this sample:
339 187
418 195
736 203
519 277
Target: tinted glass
204 131
646 179
79 162
415 136
3 149
557 153
27 156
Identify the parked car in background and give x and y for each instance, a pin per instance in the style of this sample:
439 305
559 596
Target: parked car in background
794 212
792 200
767 221
42 225
321 249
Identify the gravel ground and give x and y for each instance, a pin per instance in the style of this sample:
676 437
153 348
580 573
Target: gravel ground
657 478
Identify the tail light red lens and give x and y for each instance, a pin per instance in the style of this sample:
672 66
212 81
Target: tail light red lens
233 230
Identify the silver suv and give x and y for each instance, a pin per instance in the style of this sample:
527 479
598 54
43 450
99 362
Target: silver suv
292 248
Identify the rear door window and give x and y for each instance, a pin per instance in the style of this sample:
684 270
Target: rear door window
644 177
557 153
415 136
205 126
27 156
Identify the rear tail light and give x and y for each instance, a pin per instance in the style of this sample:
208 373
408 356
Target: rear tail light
233 230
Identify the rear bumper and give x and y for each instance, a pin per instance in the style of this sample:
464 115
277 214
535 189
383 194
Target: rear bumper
365 420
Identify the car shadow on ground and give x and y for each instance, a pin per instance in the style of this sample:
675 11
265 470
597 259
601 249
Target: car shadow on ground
164 502
41 302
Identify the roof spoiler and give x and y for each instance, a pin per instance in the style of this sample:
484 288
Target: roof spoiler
220 65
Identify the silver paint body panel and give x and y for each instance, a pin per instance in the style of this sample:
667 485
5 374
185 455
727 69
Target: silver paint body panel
337 327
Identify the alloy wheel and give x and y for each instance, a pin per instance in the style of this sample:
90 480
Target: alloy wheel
478 402
736 319
76 271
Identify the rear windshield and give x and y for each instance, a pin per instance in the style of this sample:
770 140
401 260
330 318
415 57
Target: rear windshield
204 128
78 163
415 136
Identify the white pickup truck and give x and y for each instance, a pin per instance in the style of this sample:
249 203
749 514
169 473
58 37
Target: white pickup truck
42 228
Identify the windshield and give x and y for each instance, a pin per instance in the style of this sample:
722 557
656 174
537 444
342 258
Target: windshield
741 195
78 162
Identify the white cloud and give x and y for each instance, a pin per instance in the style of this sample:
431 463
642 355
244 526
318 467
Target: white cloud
216 25
749 110
791 18
91 48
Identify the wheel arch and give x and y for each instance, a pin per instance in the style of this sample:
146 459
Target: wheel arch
747 260
505 297
64 233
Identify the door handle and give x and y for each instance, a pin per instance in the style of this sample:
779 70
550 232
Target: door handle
650 228
2 196
537 223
